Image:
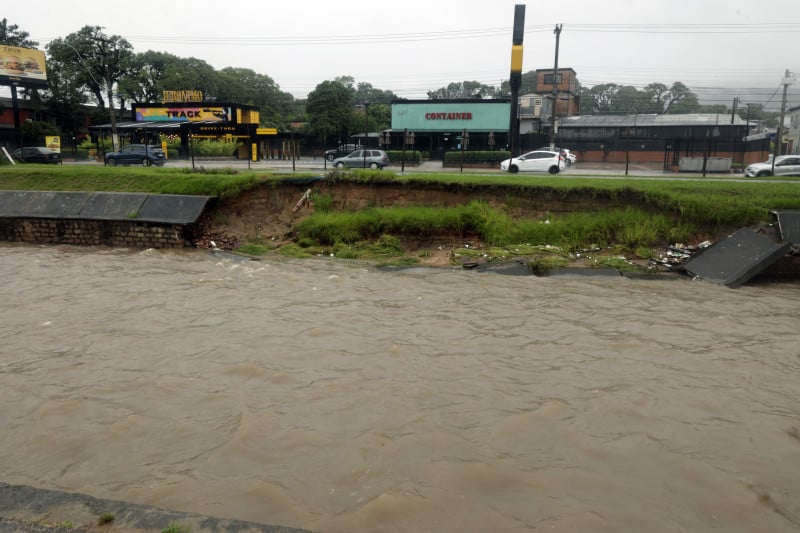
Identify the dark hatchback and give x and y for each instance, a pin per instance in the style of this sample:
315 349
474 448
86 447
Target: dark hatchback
36 154
137 154
341 151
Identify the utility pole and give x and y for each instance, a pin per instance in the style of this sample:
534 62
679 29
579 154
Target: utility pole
557 31
779 134
515 81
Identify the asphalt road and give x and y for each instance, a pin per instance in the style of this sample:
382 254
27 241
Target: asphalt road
579 170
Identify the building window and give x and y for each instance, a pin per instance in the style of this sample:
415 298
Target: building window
548 79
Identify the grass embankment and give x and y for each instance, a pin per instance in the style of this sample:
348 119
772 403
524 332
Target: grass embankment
656 211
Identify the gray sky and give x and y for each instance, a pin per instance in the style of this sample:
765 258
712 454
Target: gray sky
413 46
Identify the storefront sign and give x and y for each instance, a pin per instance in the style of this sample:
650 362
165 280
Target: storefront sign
181 96
183 114
448 116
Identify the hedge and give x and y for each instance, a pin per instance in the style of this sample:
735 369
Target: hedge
476 156
396 156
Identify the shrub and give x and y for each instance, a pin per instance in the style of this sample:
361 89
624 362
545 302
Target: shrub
476 156
412 156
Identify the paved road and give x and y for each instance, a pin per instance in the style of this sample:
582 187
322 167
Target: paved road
589 170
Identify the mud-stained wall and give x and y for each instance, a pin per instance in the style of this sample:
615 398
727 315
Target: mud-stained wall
93 232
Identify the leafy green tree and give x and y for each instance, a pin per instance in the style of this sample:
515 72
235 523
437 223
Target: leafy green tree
11 35
330 110
365 92
92 60
245 86
755 113
664 98
465 89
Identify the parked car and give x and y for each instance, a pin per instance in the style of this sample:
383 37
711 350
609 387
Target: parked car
36 154
137 154
341 151
536 161
569 157
373 159
785 165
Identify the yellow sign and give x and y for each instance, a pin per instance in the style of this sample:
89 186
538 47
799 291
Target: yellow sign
181 96
266 131
164 149
53 142
22 66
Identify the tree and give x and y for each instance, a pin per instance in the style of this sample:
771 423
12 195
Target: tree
755 113
365 92
464 89
10 35
330 110
663 99
602 97
95 62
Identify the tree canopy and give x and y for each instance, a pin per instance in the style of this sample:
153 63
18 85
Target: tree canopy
11 35
90 67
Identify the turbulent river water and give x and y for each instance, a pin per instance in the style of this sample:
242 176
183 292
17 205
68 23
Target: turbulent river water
338 397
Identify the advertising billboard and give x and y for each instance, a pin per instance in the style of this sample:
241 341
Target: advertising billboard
182 113
22 66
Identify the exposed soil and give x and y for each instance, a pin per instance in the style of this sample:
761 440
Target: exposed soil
272 210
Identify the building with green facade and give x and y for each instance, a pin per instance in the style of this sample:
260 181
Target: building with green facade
439 125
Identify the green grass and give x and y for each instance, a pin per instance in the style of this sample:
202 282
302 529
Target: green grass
175 528
221 182
105 518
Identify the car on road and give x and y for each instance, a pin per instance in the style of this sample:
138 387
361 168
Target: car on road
785 165
341 151
137 154
569 157
358 159
535 161
36 154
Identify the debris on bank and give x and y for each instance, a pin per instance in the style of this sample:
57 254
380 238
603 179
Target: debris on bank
748 253
25 509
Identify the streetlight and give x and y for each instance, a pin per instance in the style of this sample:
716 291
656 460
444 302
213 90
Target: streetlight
366 130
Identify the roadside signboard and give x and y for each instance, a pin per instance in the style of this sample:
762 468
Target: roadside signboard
22 66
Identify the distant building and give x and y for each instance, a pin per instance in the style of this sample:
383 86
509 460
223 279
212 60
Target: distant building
536 108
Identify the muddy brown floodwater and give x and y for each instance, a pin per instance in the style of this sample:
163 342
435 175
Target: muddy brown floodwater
337 397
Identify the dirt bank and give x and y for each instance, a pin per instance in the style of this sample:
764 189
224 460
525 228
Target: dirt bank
271 211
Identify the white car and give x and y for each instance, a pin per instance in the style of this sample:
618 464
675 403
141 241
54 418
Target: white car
536 161
569 158
785 165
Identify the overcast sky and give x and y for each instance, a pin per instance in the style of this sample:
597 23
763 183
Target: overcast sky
413 46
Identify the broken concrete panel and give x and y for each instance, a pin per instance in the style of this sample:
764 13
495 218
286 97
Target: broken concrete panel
735 260
789 226
173 209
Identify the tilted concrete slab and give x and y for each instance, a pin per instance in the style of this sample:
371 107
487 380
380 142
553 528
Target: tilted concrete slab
113 206
42 204
174 209
789 226
140 207
735 260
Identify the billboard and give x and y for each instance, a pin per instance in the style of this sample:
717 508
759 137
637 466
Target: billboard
22 66
182 113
